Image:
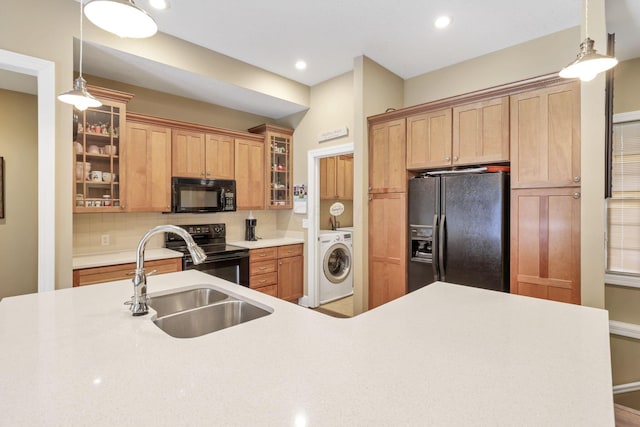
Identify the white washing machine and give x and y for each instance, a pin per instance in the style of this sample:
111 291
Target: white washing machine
336 257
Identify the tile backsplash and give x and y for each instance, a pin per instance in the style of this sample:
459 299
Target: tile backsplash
126 229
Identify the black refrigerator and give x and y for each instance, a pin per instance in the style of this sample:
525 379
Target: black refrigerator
459 230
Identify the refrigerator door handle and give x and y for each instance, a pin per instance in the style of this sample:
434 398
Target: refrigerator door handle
436 245
441 243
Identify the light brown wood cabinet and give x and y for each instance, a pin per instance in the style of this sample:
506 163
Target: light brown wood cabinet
336 178
545 196
263 270
146 159
387 160
545 137
278 271
387 247
100 137
545 243
250 176
278 165
108 273
202 155
481 132
429 140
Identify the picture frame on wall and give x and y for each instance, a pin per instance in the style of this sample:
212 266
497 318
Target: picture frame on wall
1 187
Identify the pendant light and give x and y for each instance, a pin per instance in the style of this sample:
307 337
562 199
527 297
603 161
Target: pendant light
121 17
78 96
588 63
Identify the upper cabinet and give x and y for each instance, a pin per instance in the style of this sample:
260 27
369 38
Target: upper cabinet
481 132
250 176
429 140
278 144
146 166
469 134
202 155
219 156
387 171
99 138
336 178
545 137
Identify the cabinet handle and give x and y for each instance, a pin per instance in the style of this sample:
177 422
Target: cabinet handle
208 173
370 198
576 195
122 206
369 188
262 280
262 268
576 179
455 158
263 255
447 158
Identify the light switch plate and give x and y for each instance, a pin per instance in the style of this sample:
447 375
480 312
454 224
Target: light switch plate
305 223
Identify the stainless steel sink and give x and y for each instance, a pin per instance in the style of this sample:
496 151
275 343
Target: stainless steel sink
185 300
194 312
204 320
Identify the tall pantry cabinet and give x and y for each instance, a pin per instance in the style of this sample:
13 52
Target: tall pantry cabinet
387 211
545 196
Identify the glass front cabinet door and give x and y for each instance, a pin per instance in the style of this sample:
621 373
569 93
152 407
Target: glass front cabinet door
279 165
98 142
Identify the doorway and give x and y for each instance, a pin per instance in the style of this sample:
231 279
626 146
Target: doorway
44 72
312 297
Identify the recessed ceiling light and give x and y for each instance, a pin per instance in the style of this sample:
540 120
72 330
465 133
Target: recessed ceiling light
442 22
159 4
301 65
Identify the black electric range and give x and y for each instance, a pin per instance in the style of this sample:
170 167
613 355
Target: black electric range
225 261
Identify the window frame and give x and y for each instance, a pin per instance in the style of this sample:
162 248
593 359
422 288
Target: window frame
617 278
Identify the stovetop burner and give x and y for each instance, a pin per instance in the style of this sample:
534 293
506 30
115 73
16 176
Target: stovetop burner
212 238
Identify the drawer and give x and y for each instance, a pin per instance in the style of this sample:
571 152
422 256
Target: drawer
263 280
263 267
289 250
263 254
92 275
269 290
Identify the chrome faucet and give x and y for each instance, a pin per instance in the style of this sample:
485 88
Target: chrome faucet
139 299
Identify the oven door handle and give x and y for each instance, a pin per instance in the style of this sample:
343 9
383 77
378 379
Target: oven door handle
216 258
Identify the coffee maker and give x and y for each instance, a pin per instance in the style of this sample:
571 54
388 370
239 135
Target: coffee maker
250 228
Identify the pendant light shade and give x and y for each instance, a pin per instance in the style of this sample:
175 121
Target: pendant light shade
121 17
588 63
78 96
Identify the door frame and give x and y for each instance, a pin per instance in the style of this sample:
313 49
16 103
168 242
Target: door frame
44 71
312 296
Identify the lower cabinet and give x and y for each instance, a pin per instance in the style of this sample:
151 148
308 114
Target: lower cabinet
277 271
387 247
108 273
545 243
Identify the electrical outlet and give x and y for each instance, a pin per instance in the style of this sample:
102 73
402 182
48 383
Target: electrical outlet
105 240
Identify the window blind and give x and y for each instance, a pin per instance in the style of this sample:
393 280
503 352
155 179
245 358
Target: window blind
623 208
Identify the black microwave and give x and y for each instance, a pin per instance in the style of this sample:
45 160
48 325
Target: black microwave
194 195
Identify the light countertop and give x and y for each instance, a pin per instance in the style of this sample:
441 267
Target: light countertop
445 355
99 260
267 243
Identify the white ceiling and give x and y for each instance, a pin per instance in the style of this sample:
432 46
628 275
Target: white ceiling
329 34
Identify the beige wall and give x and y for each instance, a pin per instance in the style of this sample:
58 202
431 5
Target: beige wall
531 59
621 301
18 229
168 106
626 86
344 220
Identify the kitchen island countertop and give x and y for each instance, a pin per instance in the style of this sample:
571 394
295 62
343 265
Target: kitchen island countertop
445 355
